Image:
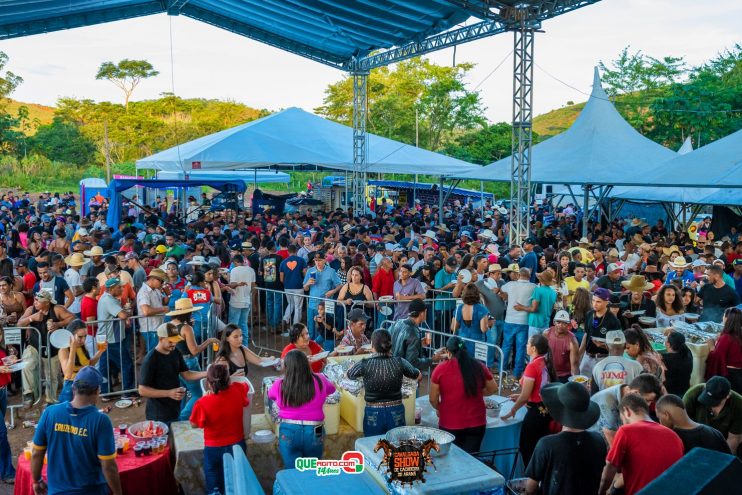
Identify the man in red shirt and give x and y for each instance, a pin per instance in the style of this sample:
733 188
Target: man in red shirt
642 449
29 280
89 310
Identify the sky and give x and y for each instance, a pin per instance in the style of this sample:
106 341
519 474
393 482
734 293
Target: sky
211 63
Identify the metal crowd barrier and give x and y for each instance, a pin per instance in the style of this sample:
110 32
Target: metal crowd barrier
127 340
20 336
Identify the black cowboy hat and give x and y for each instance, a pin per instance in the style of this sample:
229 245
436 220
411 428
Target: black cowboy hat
570 404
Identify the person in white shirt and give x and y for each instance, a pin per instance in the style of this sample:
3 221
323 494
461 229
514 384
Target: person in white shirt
152 305
74 280
614 369
241 281
515 330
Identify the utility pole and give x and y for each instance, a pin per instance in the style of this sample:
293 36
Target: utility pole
106 151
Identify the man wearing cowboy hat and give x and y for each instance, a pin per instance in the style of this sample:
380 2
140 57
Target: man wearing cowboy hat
570 461
74 280
635 303
680 271
113 319
152 304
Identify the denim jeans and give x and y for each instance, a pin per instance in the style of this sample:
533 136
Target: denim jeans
296 441
66 394
311 313
118 358
239 317
214 466
493 336
273 309
193 387
379 420
150 340
515 335
6 459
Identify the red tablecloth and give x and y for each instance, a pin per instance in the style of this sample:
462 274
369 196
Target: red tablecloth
139 475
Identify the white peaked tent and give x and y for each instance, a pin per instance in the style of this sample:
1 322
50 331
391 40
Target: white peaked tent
294 137
600 148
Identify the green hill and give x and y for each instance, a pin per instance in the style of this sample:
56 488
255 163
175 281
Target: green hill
556 121
43 113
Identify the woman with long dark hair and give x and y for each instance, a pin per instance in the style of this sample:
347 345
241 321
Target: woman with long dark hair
725 358
382 376
689 300
456 390
639 348
678 363
300 396
669 306
538 373
581 306
75 357
219 413
234 354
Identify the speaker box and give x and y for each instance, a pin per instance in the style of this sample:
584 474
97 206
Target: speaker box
701 471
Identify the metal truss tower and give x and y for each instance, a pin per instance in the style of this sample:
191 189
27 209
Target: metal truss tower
360 141
522 140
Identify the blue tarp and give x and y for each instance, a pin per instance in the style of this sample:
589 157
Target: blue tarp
295 137
117 186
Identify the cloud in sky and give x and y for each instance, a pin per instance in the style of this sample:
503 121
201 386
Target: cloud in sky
212 63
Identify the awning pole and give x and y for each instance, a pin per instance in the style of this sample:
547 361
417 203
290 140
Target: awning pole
585 213
481 197
414 189
440 200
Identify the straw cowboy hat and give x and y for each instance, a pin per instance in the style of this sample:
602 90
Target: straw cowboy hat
346 227
390 238
444 228
585 241
492 249
94 251
679 262
183 306
75 259
158 274
637 283
487 234
197 260
430 235
570 405
637 222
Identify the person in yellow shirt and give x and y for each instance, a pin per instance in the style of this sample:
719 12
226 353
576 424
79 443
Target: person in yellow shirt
578 280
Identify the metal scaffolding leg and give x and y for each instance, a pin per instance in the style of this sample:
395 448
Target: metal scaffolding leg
360 148
520 182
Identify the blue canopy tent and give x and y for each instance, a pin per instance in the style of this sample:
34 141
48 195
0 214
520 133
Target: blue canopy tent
117 186
294 137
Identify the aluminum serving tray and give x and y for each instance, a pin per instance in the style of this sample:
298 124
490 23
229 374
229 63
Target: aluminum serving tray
421 434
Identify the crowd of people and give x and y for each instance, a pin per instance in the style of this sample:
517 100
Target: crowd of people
150 294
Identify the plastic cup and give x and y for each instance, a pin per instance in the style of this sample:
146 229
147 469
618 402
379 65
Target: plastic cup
101 342
27 453
137 450
418 415
215 346
122 428
45 459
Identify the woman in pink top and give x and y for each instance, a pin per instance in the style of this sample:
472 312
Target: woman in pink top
300 395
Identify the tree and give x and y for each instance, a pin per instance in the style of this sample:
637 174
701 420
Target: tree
9 134
63 142
126 75
483 146
413 97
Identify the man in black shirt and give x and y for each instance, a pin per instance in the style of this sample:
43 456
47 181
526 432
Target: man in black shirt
598 322
159 380
571 461
716 295
671 413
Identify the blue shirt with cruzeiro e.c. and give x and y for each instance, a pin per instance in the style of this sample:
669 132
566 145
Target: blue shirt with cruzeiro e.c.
75 440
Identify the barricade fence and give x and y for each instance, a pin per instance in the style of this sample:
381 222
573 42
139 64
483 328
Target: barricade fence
267 334
36 372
